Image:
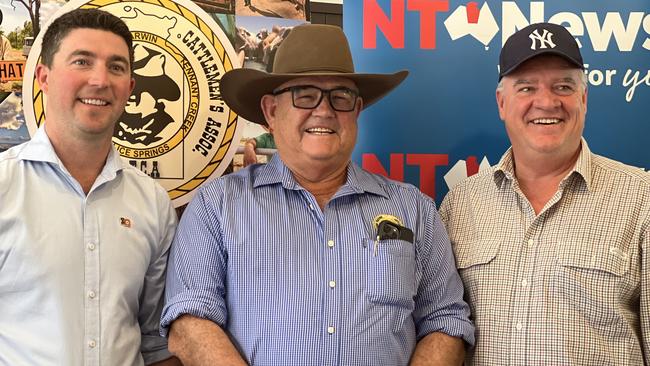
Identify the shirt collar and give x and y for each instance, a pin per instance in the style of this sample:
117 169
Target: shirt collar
505 169
114 163
357 180
40 148
583 164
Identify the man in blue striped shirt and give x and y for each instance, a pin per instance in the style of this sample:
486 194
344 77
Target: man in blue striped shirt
310 260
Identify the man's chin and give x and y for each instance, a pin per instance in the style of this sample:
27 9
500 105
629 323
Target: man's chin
98 131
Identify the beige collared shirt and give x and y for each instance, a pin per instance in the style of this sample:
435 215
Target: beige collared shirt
569 286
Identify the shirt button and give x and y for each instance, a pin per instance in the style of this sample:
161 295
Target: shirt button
332 284
330 243
331 330
519 326
531 242
91 294
92 343
91 246
311 207
524 283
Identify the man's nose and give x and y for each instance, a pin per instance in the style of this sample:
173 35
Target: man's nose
545 98
324 108
99 76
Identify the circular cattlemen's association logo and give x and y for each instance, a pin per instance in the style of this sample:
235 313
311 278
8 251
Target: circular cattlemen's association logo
175 127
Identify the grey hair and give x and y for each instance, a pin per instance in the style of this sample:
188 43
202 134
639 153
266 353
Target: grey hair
583 79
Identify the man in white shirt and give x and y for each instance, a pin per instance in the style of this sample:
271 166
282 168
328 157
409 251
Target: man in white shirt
84 236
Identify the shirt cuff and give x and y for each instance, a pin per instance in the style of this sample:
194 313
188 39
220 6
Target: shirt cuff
454 327
200 304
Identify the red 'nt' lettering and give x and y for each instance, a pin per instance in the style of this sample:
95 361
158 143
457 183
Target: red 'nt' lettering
393 27
428 10
370 163
426 162
374 17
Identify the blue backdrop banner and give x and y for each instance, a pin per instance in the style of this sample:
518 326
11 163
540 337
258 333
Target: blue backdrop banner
442 123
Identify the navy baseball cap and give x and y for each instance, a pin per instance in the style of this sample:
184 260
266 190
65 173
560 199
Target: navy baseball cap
537 39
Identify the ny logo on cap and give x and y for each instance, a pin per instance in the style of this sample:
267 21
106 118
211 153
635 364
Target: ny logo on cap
545 39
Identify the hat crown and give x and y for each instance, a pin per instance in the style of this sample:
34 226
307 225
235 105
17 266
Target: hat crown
538 39
543 39
314 48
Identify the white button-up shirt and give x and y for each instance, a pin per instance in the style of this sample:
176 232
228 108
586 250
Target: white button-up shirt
81 276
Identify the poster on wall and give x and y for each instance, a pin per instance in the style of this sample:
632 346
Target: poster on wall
258 38
262 25
222 12
442 124
20 22
176 127
288 9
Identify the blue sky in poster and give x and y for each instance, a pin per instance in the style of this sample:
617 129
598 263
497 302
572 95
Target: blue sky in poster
12 16
447 105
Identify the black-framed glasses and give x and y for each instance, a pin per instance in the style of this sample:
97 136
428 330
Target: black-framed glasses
341 99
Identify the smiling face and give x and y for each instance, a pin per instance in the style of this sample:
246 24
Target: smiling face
87 85
543 104
319 138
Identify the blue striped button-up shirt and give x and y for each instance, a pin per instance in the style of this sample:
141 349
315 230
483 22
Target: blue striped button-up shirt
294 285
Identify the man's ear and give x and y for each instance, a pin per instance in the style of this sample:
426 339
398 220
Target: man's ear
269 107
42 72
500 104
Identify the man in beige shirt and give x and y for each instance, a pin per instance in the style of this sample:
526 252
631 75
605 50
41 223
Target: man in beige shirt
552 242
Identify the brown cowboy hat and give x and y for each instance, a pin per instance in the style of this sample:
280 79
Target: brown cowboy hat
308 50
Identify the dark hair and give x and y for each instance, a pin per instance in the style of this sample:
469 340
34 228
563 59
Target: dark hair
82 18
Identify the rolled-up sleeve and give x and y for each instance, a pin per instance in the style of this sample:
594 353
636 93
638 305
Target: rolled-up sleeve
197 265
439 304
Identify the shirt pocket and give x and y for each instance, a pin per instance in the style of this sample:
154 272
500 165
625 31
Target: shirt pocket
391 272
476 254
612 260
482 279
591 280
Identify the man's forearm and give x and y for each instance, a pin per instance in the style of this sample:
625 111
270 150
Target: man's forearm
198 342
438 349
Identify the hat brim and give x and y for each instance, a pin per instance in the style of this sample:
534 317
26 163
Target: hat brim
539 53
243 89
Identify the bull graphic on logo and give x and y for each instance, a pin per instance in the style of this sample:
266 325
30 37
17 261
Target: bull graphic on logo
144 117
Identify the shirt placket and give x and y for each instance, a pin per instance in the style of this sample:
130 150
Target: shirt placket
521 293
91 285
332 293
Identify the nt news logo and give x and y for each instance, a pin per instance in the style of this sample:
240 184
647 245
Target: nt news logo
604 30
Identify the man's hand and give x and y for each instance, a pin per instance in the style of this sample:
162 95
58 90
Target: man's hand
249 152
